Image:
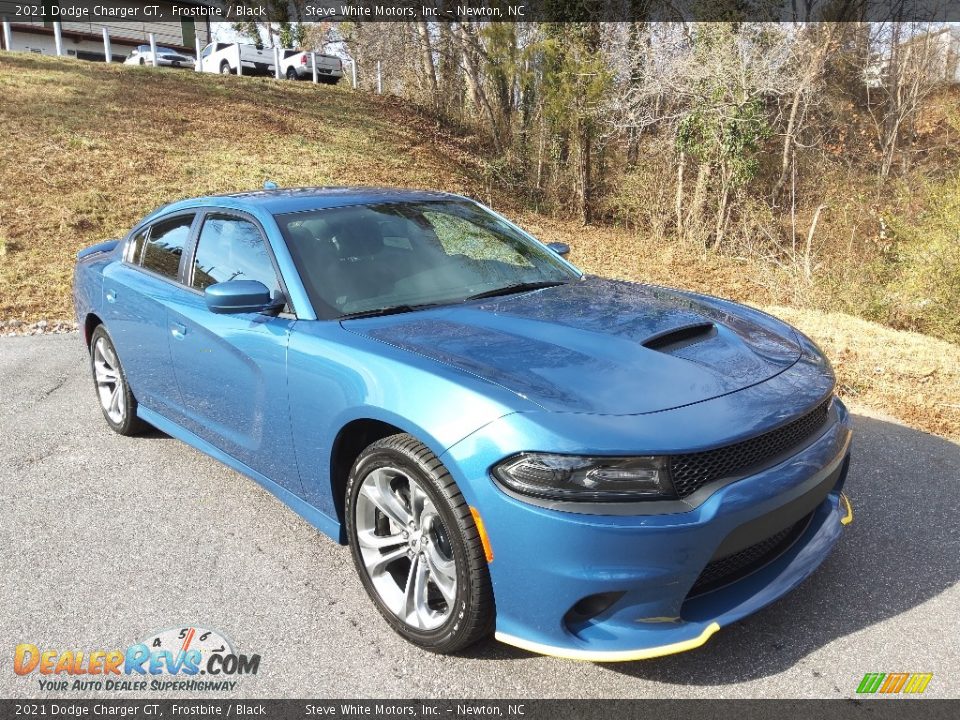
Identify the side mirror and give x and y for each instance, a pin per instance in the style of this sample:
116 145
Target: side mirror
561 249
237 296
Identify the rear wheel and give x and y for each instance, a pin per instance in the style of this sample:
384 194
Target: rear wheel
416 548
117 402
292 74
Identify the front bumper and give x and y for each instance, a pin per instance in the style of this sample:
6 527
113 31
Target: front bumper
546 561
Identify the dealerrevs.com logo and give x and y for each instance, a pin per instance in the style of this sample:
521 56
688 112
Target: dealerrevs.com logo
183 658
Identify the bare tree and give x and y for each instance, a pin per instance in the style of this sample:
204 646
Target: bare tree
906 77
707 86
426 53
472 57
811 48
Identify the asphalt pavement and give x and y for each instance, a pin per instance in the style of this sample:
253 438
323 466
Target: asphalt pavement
105 540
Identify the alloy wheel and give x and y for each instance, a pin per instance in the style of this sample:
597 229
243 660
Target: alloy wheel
109 381
405 548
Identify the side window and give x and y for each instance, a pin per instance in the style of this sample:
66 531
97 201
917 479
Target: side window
163 250
135 246
231 248
206 51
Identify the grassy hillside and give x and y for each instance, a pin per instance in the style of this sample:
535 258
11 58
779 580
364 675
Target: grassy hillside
88 149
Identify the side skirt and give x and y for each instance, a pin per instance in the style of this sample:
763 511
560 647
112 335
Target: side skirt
321 521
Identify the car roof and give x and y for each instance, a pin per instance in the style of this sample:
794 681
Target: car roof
301 199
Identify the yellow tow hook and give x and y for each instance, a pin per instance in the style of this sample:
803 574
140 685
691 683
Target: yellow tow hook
845 503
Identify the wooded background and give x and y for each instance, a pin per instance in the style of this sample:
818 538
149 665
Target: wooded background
826 150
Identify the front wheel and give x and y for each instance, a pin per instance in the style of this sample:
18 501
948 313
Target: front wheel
416 547
225 68
117 402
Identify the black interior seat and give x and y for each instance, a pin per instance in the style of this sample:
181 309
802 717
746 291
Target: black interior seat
364 272
321 256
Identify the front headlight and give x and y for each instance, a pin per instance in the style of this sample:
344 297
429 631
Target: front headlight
597 479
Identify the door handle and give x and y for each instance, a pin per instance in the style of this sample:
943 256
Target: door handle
178 331
111 296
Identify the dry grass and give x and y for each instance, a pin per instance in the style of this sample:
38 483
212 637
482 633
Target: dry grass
912 377
89 149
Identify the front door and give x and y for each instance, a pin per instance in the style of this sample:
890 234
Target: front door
231 369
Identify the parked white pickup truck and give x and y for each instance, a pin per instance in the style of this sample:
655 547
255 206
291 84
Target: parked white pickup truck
298 65
221 57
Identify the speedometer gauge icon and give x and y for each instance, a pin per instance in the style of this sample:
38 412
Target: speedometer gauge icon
183 639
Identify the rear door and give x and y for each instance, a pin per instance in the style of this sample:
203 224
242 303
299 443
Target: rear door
231 369
135 297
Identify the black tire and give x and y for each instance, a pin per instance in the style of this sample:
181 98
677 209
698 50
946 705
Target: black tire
128 423
292 74
225 68
142 61
473 613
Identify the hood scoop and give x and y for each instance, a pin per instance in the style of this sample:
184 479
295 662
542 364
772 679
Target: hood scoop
676 339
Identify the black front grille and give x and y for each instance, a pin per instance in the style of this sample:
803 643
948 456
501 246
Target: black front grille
691 472
732 567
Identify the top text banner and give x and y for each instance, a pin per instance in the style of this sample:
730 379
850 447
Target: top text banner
485 10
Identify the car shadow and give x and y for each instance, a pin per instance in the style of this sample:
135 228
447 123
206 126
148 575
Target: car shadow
152 433
901 550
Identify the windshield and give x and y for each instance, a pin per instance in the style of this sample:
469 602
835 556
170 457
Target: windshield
369 258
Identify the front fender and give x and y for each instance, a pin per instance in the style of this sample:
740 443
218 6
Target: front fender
336 377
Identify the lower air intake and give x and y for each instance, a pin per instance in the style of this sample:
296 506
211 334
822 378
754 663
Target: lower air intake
725 570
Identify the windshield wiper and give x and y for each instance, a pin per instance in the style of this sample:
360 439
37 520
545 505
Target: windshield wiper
506 290
518 287
391 310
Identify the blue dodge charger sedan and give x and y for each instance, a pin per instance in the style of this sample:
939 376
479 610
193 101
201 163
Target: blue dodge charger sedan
589 468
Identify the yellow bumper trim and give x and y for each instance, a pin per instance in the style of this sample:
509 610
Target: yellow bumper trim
845 501
611 655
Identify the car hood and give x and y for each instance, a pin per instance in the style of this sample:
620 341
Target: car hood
599 346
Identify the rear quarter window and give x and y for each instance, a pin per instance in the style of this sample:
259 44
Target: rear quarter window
135 247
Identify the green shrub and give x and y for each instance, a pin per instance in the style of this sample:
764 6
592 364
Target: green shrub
923 290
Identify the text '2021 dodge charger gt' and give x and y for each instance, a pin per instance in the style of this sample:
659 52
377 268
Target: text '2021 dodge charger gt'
588 468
